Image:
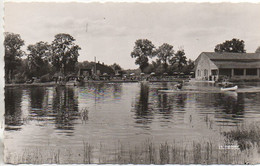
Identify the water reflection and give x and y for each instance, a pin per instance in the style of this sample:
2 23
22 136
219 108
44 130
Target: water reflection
99 92
181 101
143 113
37 97
130 112
117 90
13 99
164 106
163 103
230 107
65 106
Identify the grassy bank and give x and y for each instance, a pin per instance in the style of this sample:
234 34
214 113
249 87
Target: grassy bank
246 136
202 152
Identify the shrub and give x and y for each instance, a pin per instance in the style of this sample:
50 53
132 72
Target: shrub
45 78
19 78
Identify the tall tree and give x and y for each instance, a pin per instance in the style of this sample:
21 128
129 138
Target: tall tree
165 53
38 58
13 54
189 66
116 67
64 53
180 59
143 49
257 50
234 45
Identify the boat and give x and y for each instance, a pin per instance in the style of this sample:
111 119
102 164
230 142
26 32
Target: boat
233 88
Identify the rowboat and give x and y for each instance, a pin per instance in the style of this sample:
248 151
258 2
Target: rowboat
234 88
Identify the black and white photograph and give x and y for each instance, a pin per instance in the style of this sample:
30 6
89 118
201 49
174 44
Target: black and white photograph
131 82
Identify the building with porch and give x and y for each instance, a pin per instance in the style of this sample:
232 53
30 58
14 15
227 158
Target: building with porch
235 66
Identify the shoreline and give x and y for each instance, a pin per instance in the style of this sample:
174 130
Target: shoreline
90 81
118 81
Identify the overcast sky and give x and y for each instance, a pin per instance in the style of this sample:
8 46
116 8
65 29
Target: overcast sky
109 30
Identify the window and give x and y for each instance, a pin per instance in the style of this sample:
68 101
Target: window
251 72
214 72
205 72
198 73
238 72
225 72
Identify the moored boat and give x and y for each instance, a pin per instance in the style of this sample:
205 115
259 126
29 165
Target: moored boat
233 88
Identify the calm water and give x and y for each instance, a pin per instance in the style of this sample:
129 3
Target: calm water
104 114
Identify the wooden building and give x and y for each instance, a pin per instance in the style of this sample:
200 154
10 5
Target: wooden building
235 66
96 69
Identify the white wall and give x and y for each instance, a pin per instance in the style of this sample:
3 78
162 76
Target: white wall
204 63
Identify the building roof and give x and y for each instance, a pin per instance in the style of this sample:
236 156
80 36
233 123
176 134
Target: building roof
234 60
237 65
232 56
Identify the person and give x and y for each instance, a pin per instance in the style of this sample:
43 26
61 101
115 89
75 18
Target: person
179 86
210 77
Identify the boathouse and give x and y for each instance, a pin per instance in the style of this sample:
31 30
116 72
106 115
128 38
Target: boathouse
235 66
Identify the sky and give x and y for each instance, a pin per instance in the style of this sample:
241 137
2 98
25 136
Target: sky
108 31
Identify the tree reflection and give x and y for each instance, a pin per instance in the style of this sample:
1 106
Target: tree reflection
65 106
181 101
229 104
37 95
117 90
142 111
13 99
164 106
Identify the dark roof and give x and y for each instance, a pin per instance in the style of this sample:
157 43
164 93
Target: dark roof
104 69
234 64
234 60
232 56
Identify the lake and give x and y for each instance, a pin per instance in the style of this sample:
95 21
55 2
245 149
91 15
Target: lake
115 122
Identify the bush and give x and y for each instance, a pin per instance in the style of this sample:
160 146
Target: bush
45 78
19 78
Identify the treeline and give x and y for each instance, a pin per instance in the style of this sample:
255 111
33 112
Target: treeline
60 58
167 59
43 60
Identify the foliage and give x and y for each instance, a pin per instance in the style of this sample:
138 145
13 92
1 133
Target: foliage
38 58
142 50
19 78
234 45
257 50
244 135
45 78
165 53
189 67
180 59
116 67
64 53
13 54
